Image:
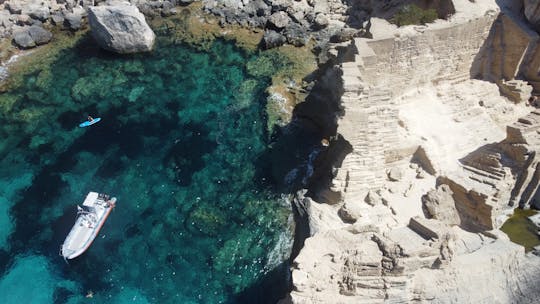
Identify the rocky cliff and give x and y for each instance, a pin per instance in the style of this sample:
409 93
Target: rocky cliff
443 149
440 143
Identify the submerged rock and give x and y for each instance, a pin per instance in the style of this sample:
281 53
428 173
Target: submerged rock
121 29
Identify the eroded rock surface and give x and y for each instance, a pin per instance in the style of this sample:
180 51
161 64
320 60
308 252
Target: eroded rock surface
121 29
439 204
413 102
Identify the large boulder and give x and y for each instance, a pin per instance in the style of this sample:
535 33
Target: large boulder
73 21
279 20
39 34
38 11
29 37
531 8
439 204
14 7
272 39
120 28
22 39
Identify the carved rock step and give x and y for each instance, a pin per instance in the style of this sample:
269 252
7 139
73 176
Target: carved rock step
490 172
454 78
352 83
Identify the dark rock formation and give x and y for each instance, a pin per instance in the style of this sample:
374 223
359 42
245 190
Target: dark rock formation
272 39
531 8
23 40
29 37
39 34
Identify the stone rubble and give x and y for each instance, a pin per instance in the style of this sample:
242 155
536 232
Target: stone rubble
293 22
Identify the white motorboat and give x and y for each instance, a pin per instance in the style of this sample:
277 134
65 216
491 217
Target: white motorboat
90 218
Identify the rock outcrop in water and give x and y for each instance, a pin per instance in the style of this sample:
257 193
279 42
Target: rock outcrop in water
120 28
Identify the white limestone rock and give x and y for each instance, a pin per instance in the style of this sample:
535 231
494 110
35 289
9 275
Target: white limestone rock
279 19
321 20
373 198
407 89
439 204
395 174
14 6
350 212
73 20
38 11
121 29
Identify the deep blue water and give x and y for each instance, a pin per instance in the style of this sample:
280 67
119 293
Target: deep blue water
181 145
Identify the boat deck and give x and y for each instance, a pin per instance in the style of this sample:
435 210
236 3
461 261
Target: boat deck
90 219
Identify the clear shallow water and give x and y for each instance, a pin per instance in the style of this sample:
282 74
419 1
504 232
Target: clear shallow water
180 144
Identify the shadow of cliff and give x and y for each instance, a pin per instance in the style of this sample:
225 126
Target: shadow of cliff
265 290
297 158
298 161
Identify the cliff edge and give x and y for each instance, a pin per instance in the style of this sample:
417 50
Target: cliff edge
444 148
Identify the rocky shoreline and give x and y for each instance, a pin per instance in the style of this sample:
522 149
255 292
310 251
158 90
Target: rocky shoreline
29 22
426 158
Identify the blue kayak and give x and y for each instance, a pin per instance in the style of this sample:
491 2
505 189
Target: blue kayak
89 123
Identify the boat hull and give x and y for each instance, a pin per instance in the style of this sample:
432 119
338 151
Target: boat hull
87 225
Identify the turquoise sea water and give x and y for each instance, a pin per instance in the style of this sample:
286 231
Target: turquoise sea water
180 144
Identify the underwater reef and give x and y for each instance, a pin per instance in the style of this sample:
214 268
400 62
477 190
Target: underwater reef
182 144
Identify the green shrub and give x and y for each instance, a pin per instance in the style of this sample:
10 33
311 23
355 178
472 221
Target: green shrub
412 14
